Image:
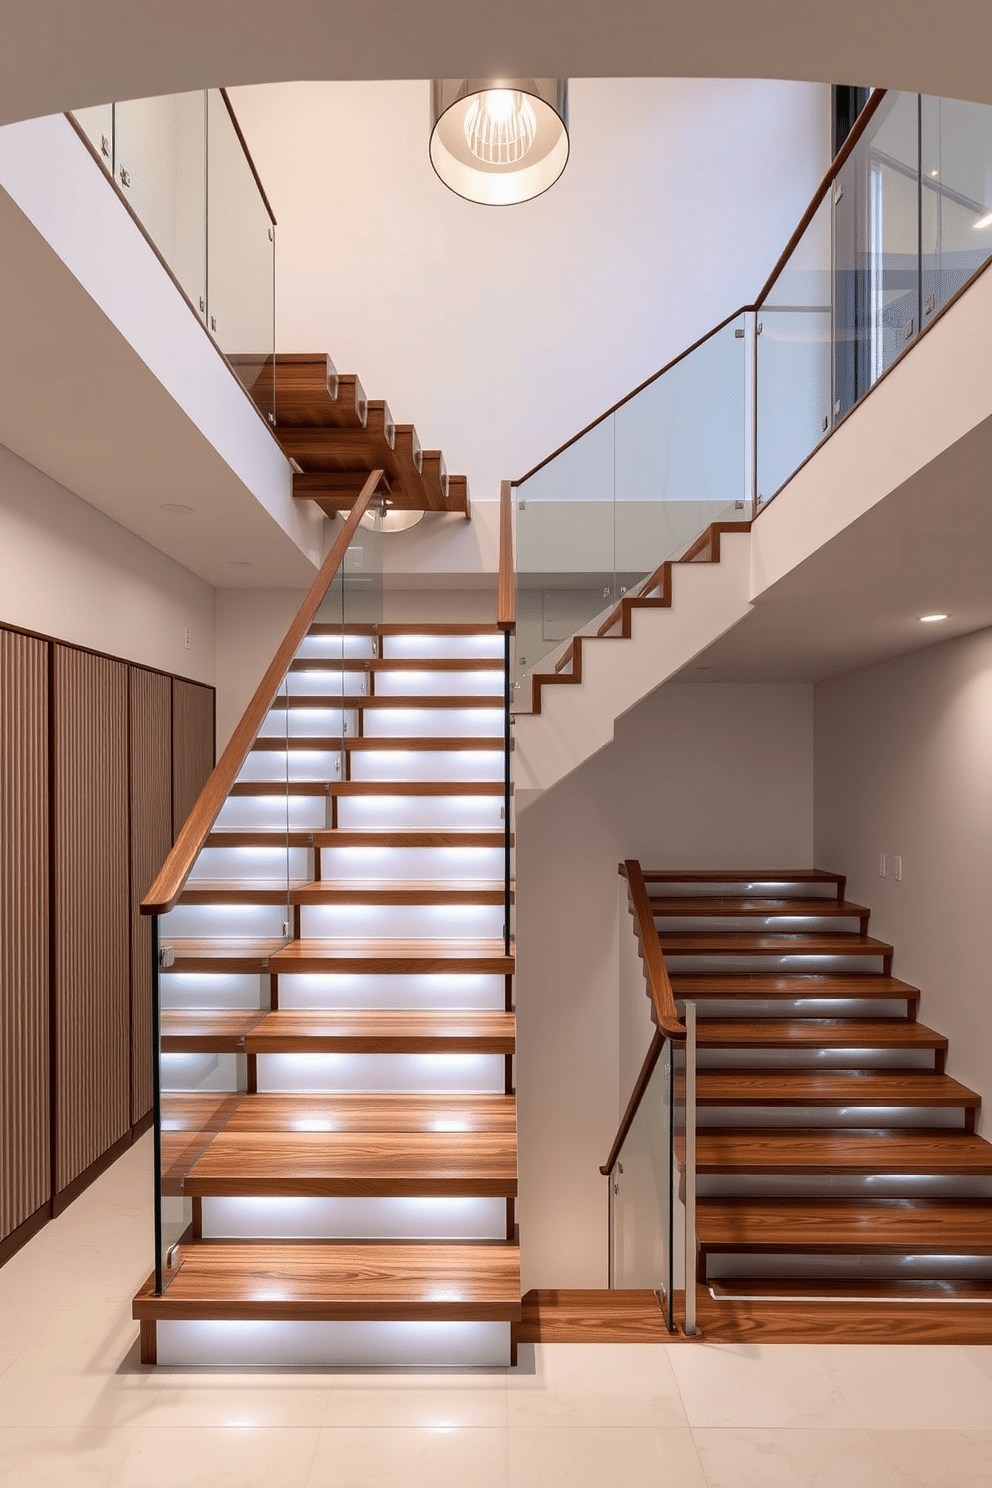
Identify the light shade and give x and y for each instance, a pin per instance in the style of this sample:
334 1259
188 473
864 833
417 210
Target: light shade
499 141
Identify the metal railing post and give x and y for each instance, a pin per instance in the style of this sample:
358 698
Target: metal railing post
690 1169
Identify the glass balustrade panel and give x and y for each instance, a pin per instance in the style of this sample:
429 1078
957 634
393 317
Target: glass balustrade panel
160 168
240 258
794 359
97 123
565 550
642 1192
679 456
956 157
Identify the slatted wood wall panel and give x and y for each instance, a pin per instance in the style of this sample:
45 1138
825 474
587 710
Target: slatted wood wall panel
91 925
151 838
192 745
25 1140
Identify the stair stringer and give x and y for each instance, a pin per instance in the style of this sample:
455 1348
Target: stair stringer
575 722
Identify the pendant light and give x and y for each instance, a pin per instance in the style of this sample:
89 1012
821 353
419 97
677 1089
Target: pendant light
499 141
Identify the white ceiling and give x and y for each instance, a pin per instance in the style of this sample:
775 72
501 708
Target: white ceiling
924 549
59 54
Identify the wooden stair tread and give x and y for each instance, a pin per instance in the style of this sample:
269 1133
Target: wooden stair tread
846 1226
822 1033
402 891
797 1087
375 1112
315 1281
311 1164
907 1150
197 1110
193 1030
392 955
383 1030
353 744
237 953
742 875
238 890
757 985
698 907
347 837
740 943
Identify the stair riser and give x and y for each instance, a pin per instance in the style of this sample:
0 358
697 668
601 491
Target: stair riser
438 684
419 723
272 766
806 1007
814 1058
402 921
326 1073
295 1344
185 990
210 921
420 813
838 1186
741 889
444 864
276 813
203 1071
311 723
354 1218
327 647
246 864
399 991
426 764
427 647
854 1267
759 925
820 1116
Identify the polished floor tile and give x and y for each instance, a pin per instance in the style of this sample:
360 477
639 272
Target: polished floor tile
218 1457
758 1385
904 1386
592 1457
66 1457
936 1459
440 1457
589 1384
784 1457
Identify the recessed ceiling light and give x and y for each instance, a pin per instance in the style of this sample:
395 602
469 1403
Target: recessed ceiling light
934 174
177 508
985 221
238 563
929 619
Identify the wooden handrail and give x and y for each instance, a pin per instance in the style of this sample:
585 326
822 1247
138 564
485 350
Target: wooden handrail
663 1009
172 876
507 602
640 1085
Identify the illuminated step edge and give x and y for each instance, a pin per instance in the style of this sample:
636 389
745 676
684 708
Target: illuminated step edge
859 1267
296 1344
442 647
373 1218
302 991
448 922
473 1074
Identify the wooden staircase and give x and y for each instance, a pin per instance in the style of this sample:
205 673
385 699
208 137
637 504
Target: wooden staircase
835 1158
334 435
351 1180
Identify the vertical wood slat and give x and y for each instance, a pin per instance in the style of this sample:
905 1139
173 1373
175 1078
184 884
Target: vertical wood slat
25 1139
150 725
192 746
91 923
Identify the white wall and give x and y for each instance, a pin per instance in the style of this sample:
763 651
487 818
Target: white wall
70 572
500 333
902 767
697 776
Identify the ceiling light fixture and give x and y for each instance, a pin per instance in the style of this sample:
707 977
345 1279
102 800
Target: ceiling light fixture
177 508
501 141
390 521
929 619
985 221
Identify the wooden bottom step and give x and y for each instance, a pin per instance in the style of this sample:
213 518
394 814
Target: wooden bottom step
331 1280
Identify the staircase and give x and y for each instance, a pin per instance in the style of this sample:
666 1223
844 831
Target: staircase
835 1159
351 1177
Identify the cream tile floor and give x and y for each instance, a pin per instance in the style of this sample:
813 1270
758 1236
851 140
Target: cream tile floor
76 1407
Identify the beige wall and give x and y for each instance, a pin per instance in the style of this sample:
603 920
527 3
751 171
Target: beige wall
903 753
697 776
71 572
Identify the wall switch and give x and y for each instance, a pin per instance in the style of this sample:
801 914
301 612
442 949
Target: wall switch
881 865
186 636
897 869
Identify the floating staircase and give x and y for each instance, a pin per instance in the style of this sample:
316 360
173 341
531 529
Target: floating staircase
351 1177
835 1158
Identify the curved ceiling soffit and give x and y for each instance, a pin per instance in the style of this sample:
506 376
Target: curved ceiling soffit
58 54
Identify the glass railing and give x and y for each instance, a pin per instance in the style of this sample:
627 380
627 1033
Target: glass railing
241 902
181 164
900 225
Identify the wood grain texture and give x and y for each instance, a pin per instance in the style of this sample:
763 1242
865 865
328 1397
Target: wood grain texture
816 1033
846 1226
339 1280
913 1150
202 1030
743 875
704 906
317 1164
91 927
382 1111
192 747
25 1179
383 1031
664 1011
716 943
775 986
150 732
794 1087
393 956
507 592
170 880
